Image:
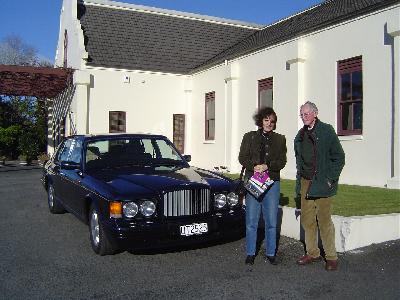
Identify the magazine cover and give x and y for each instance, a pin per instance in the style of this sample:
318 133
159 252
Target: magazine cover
259 183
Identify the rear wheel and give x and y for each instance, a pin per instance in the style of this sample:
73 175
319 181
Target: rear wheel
98 238
54 206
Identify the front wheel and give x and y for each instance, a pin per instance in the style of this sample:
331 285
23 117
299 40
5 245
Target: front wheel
54 206
98 238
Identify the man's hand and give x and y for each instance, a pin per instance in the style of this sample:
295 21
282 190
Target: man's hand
297 212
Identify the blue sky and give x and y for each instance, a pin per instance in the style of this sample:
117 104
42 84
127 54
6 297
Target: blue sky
36 22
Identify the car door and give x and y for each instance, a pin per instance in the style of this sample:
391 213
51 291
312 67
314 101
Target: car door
54 171
70 179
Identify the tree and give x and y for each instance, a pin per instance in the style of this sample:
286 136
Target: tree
28 143
28 113
9 140
13 51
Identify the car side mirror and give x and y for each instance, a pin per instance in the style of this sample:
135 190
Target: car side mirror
188 158
70 165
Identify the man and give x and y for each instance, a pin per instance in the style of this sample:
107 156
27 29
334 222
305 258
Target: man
319 161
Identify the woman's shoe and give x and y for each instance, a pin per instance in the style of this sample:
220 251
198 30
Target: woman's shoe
272 260
250 260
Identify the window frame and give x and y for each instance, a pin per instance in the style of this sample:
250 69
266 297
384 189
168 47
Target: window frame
349 66
264 85
209 97
65 60
123 120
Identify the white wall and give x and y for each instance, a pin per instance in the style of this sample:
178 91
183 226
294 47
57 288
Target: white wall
303 69
312 76
75 50
149 100
271 63
368 155
208 154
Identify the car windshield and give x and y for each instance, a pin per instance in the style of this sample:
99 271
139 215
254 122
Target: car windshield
131 152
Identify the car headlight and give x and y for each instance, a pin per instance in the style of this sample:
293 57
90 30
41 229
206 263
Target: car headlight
233 199
219 200
147 208
130 209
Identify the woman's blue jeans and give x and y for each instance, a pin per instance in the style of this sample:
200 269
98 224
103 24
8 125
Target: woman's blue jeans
269 206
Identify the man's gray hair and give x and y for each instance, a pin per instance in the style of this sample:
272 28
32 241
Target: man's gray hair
311 105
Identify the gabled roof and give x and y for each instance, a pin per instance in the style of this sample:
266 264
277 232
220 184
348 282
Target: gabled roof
120 35
326 14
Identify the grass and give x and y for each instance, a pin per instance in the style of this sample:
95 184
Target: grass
351 200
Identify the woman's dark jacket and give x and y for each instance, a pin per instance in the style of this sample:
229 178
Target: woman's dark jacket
329 160
252 153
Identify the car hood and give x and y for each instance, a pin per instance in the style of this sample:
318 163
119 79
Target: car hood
146 183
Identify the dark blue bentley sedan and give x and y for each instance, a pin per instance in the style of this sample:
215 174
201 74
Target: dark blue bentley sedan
136 191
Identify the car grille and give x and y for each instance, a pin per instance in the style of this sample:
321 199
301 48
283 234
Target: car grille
186 202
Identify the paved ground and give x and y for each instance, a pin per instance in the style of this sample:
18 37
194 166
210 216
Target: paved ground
44 256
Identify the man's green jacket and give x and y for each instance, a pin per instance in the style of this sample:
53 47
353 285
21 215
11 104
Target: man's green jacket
328 164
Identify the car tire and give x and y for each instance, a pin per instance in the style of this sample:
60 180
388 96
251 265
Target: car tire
98 238
55 206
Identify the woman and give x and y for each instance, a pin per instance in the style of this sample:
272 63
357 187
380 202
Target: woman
260 151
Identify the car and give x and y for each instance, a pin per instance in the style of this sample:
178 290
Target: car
136 191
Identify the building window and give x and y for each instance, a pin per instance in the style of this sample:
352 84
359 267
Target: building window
117 121
350 96
65 63
210 116
265 93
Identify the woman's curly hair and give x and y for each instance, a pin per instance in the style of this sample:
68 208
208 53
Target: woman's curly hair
263 113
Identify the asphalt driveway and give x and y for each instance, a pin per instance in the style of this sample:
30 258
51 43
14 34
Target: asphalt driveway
46 256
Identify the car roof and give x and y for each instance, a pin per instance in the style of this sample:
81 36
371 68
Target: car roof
116 136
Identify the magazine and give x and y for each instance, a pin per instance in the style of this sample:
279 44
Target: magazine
259 183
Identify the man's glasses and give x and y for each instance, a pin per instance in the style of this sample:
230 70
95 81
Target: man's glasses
305 115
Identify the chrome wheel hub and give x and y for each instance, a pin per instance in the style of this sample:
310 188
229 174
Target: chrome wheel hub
51 196
94 227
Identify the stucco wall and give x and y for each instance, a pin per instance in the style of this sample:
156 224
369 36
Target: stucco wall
208 154
368 155
149 100
303 69
76 53
306 69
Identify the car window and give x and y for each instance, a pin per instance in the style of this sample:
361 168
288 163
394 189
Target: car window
166 150
71 152
76 152
138 152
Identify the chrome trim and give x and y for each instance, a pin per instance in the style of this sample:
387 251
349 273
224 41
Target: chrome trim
186 202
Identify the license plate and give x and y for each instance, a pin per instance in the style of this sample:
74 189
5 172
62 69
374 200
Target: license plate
195 228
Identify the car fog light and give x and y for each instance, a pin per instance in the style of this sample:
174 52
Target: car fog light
147 208
130 209
233 199
219 200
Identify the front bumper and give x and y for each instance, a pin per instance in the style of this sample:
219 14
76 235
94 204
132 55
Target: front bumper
166 233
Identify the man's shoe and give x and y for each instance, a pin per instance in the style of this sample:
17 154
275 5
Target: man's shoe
272 260
250 260
331 265
307 259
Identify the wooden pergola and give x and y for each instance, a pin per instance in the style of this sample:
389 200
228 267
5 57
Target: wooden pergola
41 82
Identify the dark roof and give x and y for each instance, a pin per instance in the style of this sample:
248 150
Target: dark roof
40 82
129 39
326 14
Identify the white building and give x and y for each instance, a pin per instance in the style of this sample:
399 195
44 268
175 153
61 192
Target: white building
199 79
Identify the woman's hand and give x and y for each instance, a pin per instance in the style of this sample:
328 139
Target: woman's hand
260 168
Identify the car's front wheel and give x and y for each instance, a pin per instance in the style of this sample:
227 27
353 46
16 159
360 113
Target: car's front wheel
54 206
98 238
